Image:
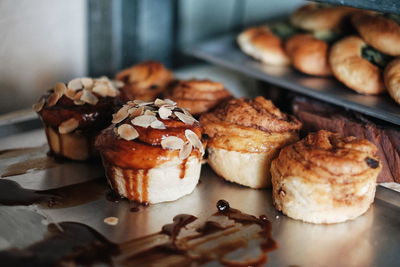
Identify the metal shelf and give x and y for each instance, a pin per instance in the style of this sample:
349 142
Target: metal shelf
389 6
224 51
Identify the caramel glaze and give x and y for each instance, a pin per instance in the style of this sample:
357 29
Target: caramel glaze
140 155
183 258
92 118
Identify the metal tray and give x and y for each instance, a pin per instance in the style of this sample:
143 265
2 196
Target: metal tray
224 51
371 240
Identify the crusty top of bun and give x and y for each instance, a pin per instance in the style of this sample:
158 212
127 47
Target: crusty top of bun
378 31
323 155
258 113
144 76
315 17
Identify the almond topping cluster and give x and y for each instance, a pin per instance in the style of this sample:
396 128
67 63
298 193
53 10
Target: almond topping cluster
144 114
81 91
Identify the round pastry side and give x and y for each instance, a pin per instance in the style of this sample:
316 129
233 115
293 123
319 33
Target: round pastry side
325 178
391 78
144 81
197 96
358 66
152 152
74 113
244 135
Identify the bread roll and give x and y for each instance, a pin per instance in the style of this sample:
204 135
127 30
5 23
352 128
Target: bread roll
144 81
351 68
379 32
244 136
392 79
309 54
316 17
262 44
152 153
197 96
325 178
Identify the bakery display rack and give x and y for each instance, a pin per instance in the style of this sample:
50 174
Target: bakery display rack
224 51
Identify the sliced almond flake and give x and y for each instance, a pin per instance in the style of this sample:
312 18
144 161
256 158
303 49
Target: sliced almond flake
68 126
186 112
144 104
158 125
185 150
100 89
159 102
127 132
78 95
53 99
112 92
39 105
138 101
118 84
79 102
143 120
70 94
87 83
185 118
111 220
75 84
121 115
149 112
89 97
164 112
169 102
194 140
134 112
60 88
172 142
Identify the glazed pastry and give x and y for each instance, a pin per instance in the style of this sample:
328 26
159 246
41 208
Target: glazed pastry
144 81
392 79
380 32
309 54
245 135
152 152
74 113
319 17
325 178
357 65
263 44
197 96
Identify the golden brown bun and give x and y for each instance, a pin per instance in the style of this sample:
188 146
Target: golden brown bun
246 134
379 32
197 96
392 79
313 17
144 81
325 178
352 69
308 54
260 43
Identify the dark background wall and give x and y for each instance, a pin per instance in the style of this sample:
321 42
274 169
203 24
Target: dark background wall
123 32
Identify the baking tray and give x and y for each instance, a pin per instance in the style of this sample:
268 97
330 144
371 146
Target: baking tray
370 240
224 51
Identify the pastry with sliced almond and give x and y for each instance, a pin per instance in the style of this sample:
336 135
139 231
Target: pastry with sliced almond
144 81
197 96
74 113
245 135
152 152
